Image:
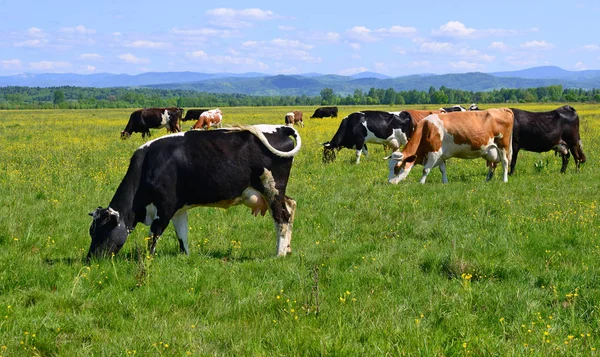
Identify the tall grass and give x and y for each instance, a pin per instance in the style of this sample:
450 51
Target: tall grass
466 268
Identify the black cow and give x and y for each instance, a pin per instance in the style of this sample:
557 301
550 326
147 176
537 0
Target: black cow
325 112
369 126
556 130
142 120
193 114
456 108
219 168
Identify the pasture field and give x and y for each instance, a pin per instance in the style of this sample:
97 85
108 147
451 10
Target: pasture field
466 268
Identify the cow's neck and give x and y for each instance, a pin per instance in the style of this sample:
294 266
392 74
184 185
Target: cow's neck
123 199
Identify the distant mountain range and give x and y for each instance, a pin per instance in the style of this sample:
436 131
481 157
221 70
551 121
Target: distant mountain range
312 83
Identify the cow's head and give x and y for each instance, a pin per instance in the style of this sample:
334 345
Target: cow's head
108 232
125 135
328 153
399 166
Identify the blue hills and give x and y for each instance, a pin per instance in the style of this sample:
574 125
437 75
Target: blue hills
311 84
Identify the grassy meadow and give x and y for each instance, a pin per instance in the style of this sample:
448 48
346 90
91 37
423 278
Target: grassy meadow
466 268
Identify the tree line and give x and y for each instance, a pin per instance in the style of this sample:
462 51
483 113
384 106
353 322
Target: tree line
69 97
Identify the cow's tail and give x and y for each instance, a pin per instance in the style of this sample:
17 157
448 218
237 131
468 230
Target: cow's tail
288 130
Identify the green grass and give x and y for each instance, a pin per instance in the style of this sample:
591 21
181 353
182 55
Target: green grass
466 268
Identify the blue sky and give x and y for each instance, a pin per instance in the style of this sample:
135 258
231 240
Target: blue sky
290 37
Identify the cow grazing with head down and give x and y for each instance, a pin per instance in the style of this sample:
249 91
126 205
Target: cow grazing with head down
465 135
208 118
325 112
193 114
293 118
369 126
456 108
556 130
142 120
474 107
219 168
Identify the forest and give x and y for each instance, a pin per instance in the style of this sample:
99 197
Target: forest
70 97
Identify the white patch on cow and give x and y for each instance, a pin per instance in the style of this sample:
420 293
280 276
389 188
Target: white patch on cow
284 230
267 128
180 222
168 136
290 113
151 214
165 119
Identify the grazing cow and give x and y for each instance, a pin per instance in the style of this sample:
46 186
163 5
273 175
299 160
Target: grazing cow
293 118
456 108
474 107
465 135
247 165
369 126
142 120
325 112
193 114
208 118
556 130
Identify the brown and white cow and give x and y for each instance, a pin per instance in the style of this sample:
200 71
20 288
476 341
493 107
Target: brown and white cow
465 135
293 118
208 118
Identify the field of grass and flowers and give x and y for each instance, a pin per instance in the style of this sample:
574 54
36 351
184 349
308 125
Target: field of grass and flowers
466 268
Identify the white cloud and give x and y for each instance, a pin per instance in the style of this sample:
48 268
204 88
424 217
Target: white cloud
32 43
361 34
364 34
397 31
351 71
80 30
90 57
203 32
355 46
48 65
591 48
11 64
466 66
279 43
332 36
116 34
499 46
380 67
454 29
436 47
580 66
227 17
129 58
36 32
148 44
401 50
537 45
286 28
90 68
198 54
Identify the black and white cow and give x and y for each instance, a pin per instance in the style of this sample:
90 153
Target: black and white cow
219 168
142 120
456 108
556 130
325 112
193 114
370 126
473 107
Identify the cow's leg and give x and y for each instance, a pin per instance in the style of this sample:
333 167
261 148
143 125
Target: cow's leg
565 162
282 211
160 223
491 168
443 171
578 155
433 160
180 222
513 160
505 160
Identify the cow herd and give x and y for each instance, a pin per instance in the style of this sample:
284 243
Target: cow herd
250 165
